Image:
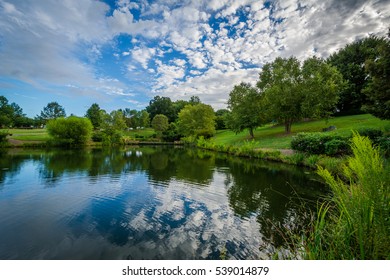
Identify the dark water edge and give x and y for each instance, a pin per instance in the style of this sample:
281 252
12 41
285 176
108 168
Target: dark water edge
148 203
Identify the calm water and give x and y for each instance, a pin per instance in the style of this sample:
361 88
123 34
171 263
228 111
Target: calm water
147 203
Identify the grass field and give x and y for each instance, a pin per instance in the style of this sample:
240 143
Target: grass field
145 133
274 137
29 134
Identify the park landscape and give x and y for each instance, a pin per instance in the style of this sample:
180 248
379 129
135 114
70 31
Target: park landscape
295 167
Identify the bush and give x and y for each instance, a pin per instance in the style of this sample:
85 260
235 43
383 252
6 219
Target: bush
71 130
97 136
371 133
337 147
384 145
319 143
3 138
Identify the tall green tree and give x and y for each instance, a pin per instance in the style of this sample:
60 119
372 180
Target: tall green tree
52 111
350 62
293 91
246 110
197 120
160 124
12 115
378 88
144 119
94 115
6 112
221 117
161 106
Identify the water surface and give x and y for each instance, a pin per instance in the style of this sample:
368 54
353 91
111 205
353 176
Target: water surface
147 203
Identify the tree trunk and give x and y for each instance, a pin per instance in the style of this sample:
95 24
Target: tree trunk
251 133
287 126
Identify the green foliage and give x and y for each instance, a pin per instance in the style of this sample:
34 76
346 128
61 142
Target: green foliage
12 115
350 62
221 117
94 114
337 147
51 111
160 124
384 145
71 130
3 137
161 106
172 133
378 88
293 91
371 133
320 143
197 120
354 223
245 104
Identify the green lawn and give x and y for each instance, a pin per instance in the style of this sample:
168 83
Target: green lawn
29 134
274 137
145 133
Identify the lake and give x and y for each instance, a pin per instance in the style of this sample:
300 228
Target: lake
149 202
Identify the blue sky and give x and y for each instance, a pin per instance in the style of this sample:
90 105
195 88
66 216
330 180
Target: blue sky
120 54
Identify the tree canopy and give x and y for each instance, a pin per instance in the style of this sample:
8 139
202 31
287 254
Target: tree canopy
94 114
197 120
293 91
245 105
161 106
378 87
350 62
160 123
51 111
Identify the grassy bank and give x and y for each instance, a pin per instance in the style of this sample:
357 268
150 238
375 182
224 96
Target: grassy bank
273 137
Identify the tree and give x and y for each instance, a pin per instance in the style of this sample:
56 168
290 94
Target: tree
221 117
160 124
94 115
6 112
293 91
197 120
378 88
12 114
350 62
52 111
144 119
71 130
161 106
245 105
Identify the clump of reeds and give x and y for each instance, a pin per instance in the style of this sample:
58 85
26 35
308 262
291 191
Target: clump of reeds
354 223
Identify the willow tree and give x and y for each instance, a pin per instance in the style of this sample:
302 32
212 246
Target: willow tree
293 90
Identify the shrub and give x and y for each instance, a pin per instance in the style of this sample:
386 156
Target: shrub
384 145
319 143
71 130
371 133
337 147
3 136
97 136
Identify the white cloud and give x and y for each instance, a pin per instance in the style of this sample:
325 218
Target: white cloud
38 36
143 55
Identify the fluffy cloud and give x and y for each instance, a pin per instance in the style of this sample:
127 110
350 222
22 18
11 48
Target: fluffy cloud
192 47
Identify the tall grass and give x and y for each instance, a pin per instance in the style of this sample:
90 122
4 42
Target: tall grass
355 222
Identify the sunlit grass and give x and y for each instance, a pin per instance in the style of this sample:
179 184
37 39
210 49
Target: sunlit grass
29 134
273 137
